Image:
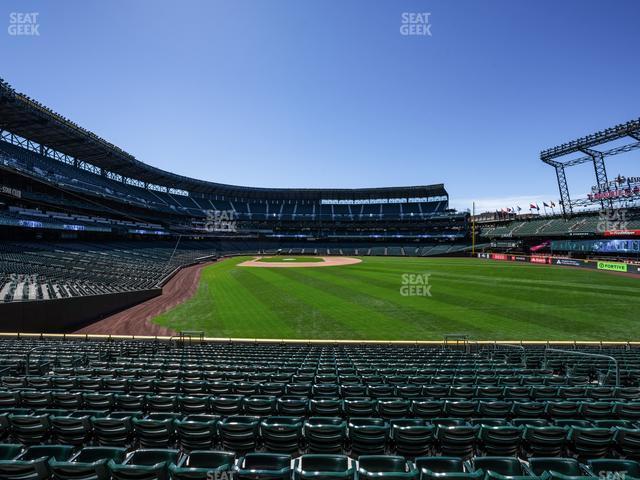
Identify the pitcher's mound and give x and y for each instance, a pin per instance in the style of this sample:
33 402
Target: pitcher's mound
289 262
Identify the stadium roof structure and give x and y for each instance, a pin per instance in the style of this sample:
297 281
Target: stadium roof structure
553 156
27 118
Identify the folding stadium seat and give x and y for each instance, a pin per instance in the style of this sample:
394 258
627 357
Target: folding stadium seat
566 393
359 407
239 433
141 385
461 409
9 399
112 430
99 401
499 468
490 422
67 400
147 464
393 407
555 468
272 388
385 467
261 466
462 392
154 431
494 409
544 441
596 410
544 393
9 451
428 408
572 422
68 430
35 399
443 468
435 391
90 463
299 389
281 434
166 386
89 384
325 434
588 443
353 391
602 393
556 410
325 407
411 437
614 468
162 403
30 429
500 441
627 442
193 404
202 465
293 405
492 392
528 410
197 432
459 441
115 384
246 388
627 410
129 402
381 390
628 393
323 467
515 392
409 391
367 436
226 405
193 387
33 463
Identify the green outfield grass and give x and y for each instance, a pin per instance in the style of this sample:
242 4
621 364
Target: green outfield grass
486 299
290 259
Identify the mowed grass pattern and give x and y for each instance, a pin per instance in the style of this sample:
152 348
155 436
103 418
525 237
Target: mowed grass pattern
486 299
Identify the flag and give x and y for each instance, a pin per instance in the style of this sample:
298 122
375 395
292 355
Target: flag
533 206
552 204
519 208
545 204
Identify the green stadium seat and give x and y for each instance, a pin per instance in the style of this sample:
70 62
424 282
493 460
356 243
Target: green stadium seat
197 432
292 405
367 436
239 433
263 466
627 441
30 429
500 440
154 432
281 434
458 441
500 468
113 430
69 430
555 468
9 451
359 407
33 463
145 464
443 468
544 441
323 467
90 463
325 434
385 467
589 443
202 465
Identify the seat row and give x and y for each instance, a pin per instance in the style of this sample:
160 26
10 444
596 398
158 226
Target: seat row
359 435
61 462
385 407
324 389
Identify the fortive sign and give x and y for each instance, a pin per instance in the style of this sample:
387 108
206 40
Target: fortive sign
613 266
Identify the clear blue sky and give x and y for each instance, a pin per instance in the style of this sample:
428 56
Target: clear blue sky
313 93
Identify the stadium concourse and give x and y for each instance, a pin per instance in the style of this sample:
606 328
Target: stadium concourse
186 409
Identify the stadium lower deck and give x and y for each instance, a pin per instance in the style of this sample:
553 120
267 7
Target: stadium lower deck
160 409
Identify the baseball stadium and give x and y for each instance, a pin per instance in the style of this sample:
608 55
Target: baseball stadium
159 326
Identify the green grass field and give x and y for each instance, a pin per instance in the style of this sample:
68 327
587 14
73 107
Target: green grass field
488 300
287 259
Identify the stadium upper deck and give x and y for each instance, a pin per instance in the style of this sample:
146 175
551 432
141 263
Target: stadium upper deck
47 160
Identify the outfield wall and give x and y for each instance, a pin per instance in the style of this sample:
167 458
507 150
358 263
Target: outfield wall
619 267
